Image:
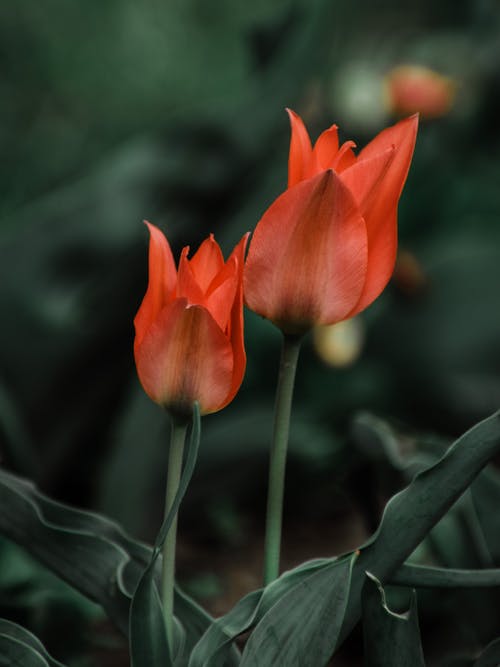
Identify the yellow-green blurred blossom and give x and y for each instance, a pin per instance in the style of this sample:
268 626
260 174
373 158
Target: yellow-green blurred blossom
340 344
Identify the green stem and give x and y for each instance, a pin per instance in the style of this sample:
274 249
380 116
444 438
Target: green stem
178 437
277 463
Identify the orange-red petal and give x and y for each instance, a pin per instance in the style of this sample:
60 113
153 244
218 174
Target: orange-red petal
161 284
235 331
364 178
207 262
187 285
381 215
402 136
308 256
185 357
300 150
220 298
345 157
326 147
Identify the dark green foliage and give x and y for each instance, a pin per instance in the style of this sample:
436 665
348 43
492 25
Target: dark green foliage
20 647
391 639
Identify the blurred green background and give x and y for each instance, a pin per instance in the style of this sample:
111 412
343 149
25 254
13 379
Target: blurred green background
117 111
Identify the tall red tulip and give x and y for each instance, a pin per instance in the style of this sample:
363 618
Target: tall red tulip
326 248
189 328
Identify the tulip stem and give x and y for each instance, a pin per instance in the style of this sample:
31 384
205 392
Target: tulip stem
277 462
177 440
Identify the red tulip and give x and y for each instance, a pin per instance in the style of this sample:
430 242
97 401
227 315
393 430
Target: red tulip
326 248
411 88
189 328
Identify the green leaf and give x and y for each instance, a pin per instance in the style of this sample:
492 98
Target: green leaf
20 647
148 637
302 628
407 519
423 576
379 440
411 513
86 550
90 552
213 649
490 657
195 620
390 639
485 494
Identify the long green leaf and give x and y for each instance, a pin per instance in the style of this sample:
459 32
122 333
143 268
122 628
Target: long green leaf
148 638
423 576
390 639
213 649
302 628
90 552
20 647
490 657
410 514
408 517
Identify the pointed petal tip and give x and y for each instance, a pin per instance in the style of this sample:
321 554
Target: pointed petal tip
412 120
294 117
328 177
153 229
242 244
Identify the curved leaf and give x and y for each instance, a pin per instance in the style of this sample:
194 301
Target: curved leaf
411 513
390 639
302 628
20 647
490 657
213 648
148 637
423 576
88 551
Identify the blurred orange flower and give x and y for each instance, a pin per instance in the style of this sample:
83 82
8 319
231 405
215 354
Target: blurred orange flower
189 328
413 88
325 249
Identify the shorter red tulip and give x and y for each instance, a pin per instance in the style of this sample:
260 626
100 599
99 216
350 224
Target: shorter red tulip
189 328
326 248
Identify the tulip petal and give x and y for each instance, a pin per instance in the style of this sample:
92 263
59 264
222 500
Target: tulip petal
300 150
235 331
221 294
308 256
364 178
161 285
402 136
381 215
345 157
187 285
220 299
185 357
207 262
326 147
